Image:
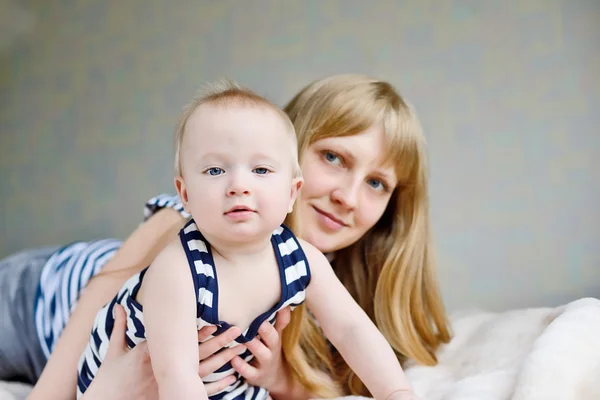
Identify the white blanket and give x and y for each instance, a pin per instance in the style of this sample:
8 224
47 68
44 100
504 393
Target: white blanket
529 354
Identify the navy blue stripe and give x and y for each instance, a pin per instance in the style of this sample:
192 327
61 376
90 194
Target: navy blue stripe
190 258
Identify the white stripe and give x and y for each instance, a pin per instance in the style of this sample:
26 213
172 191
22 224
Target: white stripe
263 394
39 322
205 297
294 272
44 325
98 265
234 393
62 304
137 315
46 269
49 282
73 277
199 245
100 352
190 228
107 250
288 247
249 393
53 283
204 269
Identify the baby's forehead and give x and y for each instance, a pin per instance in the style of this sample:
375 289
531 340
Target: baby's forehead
214 112
246 120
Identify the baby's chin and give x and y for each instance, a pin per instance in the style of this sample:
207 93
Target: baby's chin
240 233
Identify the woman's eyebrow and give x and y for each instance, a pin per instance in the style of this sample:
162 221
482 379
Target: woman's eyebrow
344 152
389 177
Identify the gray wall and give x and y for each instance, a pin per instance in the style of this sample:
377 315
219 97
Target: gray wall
508 93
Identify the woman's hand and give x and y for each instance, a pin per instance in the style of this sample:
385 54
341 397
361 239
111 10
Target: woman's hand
127 374
123 374
267 369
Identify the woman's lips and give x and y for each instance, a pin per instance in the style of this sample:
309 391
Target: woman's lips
329 221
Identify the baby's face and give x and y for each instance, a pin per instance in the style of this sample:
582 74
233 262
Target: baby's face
237 165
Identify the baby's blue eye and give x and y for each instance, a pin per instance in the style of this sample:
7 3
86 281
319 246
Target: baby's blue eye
330 157
214 171
260 171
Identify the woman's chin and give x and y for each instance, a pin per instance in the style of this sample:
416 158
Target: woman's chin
322 241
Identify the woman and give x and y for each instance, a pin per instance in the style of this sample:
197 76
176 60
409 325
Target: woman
364 203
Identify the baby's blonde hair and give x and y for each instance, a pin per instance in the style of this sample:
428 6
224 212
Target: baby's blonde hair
228 93
390 271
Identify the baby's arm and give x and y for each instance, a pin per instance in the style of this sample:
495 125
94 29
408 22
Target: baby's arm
169 302
351 331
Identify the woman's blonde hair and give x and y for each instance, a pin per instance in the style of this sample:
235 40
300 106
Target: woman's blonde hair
390 271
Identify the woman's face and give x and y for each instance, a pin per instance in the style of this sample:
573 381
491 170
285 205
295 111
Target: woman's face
346 188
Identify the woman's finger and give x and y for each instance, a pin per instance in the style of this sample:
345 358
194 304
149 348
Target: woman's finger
262 354
216 361
284 317
212 345
214 387
206 332
117 344
246 370
269 335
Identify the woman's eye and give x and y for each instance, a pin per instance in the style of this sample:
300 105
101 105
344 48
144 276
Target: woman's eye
377 184
214 171
331 158
260 171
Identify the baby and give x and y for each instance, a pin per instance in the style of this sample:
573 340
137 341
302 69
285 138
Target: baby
234 262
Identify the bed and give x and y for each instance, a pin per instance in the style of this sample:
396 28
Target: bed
526 354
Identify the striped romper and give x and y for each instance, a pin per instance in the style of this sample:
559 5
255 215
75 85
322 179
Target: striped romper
294 275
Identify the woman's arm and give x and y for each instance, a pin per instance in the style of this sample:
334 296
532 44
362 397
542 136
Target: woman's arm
59 377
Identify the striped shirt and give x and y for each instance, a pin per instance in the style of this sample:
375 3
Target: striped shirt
69 269
294 276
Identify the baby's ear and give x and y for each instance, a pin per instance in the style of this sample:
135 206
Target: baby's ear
296 186
182 192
